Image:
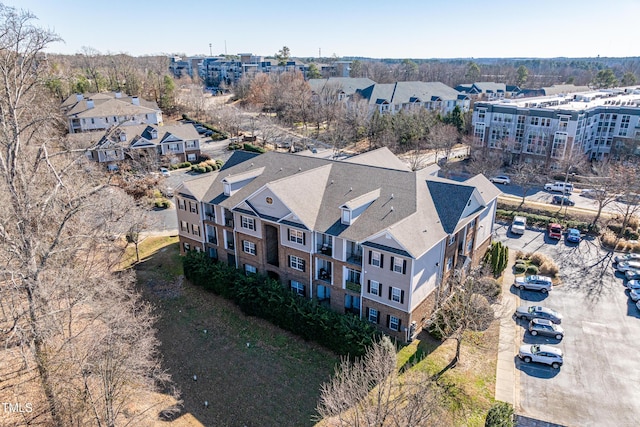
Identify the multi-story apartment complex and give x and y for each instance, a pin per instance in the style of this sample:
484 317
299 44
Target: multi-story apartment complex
548 129
365 236
178 142
102 111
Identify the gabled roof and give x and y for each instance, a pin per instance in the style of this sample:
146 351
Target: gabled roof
488 87
348 85
417 209
141 136
76 105
381 157
404 92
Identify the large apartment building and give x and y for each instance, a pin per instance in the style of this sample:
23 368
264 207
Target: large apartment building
547 129
365 236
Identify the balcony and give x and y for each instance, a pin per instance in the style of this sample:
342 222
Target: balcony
353 286
230 245
354 259
212 239
209 216
325 250
324 275
228 222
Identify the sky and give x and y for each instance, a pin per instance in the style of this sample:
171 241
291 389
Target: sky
347 28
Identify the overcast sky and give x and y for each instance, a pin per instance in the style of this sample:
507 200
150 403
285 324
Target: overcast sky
371 28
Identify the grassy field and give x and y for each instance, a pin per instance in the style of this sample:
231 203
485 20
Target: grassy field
254 374
250 372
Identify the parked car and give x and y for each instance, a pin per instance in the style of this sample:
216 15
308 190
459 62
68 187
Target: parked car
633 284
546 328
629 198
632 275
530 312
592 193
634 294
628 265
638 305
519 225
562 200
573 235
165 172
500 179
534 283
560 187
626 257
554 230
541 353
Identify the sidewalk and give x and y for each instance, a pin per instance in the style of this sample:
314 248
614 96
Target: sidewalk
507 376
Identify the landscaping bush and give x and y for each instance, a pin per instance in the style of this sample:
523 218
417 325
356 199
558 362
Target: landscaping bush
490 288
519 268
497 258
538 259
532 270
500 415
549 268
234 146
253 148
162 203
260 296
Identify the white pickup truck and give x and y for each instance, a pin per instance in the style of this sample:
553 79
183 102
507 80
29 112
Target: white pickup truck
561 187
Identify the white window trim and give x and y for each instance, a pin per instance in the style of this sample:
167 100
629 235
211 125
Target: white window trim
249 247
398 265
375 258
296 262
377 287
375 319
393 294
297 287
391 323
296 236
248 223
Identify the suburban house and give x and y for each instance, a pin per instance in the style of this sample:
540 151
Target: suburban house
178 142
553 90
102 111
390 98
365 236
548 129
488 91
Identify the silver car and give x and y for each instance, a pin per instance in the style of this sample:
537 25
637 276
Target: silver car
632 274
541 353
626 257
535 283
546 328
633 284
628 265
530 312
634 294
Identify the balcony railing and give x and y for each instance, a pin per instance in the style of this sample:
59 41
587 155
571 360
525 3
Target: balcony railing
324 275
353 286
325 250
210 216
228 222
354 259
212 239
230 245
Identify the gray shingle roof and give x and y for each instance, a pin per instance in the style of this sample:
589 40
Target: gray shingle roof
415 208
403 92
348 85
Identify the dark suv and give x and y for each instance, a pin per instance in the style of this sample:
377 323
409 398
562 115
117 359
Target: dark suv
562 200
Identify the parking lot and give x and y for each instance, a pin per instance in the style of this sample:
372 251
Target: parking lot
599 383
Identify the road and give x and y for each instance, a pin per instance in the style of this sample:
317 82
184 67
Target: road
598 384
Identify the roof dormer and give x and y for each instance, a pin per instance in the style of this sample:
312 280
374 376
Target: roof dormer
233 183
352 209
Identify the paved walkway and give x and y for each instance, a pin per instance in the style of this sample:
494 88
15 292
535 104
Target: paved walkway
507 376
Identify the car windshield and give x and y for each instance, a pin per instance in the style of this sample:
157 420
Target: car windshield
556 229
518 223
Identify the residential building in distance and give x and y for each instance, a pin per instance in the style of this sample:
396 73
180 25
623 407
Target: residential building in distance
548 129
488 91
344 87
365 236
102 111
390 98
176 142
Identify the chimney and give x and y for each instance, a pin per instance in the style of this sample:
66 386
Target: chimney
135 100
79 97
89 104
118 95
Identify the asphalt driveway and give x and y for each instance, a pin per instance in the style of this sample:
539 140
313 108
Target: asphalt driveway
599 384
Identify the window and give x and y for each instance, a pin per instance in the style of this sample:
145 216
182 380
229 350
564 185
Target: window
174 147
452 239
373 315
374 287
186 246
191 145
296 263
396 295
394 323
193 207
376 259
248 223
182 205
250 269
535 121
297 287
346 217
195 229
191 157
184 226
398 265
296 236
249 247
213 253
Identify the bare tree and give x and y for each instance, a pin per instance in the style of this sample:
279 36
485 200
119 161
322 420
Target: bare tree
57 284
466 309
370 392
526 176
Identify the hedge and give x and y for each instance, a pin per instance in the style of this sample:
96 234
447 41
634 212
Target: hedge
259 296
252 148
497 257
500 415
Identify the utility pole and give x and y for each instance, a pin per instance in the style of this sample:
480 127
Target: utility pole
225 47
210 50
